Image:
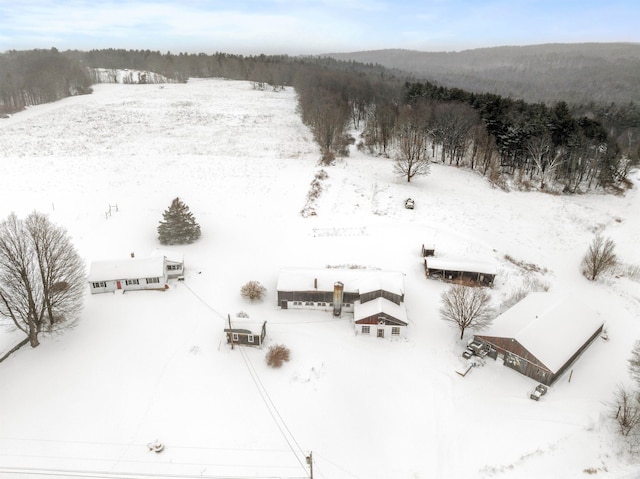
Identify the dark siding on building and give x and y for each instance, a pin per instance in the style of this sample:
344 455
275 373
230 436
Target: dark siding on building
520 359
314 296
381 293
375 318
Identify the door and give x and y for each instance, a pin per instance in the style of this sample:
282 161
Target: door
118 285
381 333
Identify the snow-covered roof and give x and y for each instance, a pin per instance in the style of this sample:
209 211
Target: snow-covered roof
172 256
551 326
354 280
243 323
379 305
390 281
132 268
461 265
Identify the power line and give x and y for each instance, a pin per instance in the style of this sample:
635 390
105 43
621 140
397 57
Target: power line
264 395
89 474
271 407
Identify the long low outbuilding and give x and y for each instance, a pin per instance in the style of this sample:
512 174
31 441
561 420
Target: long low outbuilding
316 288
375 297
479 272
542 335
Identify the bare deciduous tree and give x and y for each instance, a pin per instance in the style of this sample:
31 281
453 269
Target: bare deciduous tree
41 275
543 157
600 257
467 307
626 410
452 128
413 156
634 362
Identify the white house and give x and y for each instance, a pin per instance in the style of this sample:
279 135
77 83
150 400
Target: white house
128 274
380 317
174 262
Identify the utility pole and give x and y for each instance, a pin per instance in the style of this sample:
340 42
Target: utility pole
230 331
310 462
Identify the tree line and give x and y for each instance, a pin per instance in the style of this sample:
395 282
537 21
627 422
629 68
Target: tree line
39 76
534 145
572 147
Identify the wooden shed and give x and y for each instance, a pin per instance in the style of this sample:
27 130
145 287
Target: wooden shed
246 332
479 272
542 335
127 275
428 249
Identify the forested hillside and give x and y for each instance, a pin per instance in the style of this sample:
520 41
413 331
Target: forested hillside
579 73
39 76
557 146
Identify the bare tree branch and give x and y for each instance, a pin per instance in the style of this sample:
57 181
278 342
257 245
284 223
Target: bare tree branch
467 307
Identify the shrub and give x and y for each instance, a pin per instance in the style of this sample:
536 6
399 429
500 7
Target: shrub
599 258
253 291
276 355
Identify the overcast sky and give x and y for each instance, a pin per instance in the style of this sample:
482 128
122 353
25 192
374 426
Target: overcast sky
311 26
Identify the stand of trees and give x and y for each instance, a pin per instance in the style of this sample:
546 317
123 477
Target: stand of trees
568 147
39 76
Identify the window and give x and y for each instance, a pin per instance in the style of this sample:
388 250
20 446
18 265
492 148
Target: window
297 303
129 282
235 336
366 329
174 267
153 280
250 338
395 331
309 303
99 284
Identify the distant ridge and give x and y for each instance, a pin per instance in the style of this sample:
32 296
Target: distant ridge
575 72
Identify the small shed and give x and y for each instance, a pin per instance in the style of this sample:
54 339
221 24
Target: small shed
428 249
542 335
246 332
126 275
479 272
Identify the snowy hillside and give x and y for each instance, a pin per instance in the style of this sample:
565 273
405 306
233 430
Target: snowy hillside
155 365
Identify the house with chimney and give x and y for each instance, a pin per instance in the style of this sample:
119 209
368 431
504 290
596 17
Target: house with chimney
374 298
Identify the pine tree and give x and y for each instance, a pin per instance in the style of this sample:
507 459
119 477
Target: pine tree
179 225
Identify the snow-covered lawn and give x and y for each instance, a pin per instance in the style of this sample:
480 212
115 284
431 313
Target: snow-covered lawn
155 365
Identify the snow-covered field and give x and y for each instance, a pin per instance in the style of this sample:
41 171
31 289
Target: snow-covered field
155 365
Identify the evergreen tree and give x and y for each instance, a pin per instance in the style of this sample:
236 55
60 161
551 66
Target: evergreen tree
179 225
